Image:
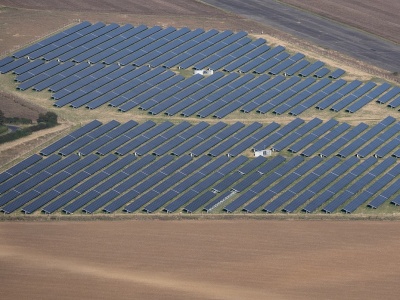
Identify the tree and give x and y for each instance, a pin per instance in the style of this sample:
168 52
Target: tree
49 118
2 118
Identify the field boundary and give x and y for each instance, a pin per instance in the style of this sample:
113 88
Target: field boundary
198 217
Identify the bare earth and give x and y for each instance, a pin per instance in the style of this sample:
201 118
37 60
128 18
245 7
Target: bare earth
378 17
200 260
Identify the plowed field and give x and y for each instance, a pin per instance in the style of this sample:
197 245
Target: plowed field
208 259
378 17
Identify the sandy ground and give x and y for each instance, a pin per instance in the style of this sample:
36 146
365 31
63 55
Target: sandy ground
200 260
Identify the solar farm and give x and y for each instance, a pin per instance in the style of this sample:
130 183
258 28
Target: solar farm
198 163
205 149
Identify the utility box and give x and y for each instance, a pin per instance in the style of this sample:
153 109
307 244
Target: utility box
263 153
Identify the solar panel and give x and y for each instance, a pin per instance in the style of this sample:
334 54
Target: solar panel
311 68
389 95
198 139
164 136
247 143
28 179
321 72
68 184
368 98
336 74
6 61
357 186
279 134
195 101
200 201
19 167
41 68
296 67
366 137
182 94
315 98
313 189
51 39
286 64
301 96
47 78
50 182
98 43
386 149
217 94
238 101
221 53
188 48
271 62
217 202
246 58
160 188
313 136
28 66
159 42
395 103
13 65
220 148
179 139
70 76
83 86
271 93
243 51
153 91
353 96
296 134
98 191
270 179
203 147
371 190
285 95
112 46
339 94
260 59
217 43
64 40
355 131
385 195
189 195
332 135
121 135
83 40
176 47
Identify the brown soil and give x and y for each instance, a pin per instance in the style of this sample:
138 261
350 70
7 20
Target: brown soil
378 17
200 260
14 106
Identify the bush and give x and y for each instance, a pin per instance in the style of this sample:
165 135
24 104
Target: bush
16 120
49 118
3 129
46 120
2 118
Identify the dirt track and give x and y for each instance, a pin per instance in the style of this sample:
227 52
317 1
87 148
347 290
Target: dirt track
200 260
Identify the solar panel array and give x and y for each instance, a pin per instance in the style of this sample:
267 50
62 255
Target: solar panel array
165 167
127 67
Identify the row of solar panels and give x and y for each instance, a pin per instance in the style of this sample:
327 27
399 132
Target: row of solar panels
152 183
169 47
159 90
305 138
